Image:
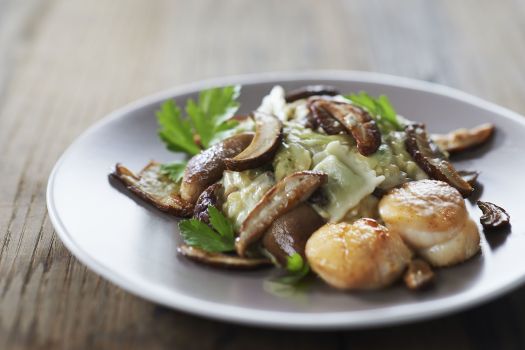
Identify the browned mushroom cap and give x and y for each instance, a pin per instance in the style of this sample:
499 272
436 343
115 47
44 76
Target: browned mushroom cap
263 146
207 167
494 217
426 155
356 121
210 197
462 139
321 118
310 90
280 199
154 187
418 275
222 260
288 234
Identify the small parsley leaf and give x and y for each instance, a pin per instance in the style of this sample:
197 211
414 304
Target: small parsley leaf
380 108
207 118
210 114
197 234
175 131
174 171
220 223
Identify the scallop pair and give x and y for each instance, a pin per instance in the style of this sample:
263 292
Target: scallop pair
426 217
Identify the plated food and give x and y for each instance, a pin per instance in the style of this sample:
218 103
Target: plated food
315 181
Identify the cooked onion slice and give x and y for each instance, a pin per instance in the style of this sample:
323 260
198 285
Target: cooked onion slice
222 260
310 90
207 167
426 155
462 139
355 120
263 146
280 199
154 188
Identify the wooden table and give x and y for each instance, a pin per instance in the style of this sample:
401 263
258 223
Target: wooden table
64 64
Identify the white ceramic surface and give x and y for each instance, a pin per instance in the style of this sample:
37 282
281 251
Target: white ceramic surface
134 246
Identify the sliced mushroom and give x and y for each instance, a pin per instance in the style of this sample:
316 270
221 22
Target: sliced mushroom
310 90
288 234
321 118
210 197
494 217
462 139
470 176
418 275
222 260
425 154
355 120
207 167
263 146
155 188
279 200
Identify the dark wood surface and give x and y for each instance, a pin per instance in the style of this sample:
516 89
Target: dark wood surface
66 63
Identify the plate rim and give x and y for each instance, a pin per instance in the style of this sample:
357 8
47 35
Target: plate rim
277 319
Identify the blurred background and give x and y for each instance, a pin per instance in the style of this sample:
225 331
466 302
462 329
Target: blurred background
66 63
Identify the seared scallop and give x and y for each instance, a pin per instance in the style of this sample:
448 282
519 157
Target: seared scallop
431 217
362 255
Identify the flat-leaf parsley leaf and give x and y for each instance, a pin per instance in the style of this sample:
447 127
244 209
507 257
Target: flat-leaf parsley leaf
198 234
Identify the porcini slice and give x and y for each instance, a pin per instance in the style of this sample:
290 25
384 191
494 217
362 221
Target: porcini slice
263 146
279 200
210 197
222 260
310 90
355 120
207 167
288 234
463 139
155 188
433 163
322 118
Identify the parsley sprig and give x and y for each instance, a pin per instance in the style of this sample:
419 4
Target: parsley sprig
220 238
174 171
380 108
207 118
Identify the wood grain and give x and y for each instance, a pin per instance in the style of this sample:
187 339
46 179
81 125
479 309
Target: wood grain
66 63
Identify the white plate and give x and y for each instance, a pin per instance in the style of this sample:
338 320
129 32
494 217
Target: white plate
134 246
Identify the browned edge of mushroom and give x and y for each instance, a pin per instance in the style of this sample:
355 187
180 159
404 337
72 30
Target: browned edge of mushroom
288 234
280 199
426 155
264 145
494 217
418 275
169 203
210 197
310 90
207 167
463 139
470 176
321 118
356 121
221 260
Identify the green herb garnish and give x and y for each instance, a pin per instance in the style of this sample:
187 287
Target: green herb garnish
297 269
174 171
206 120
197 234
380 108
